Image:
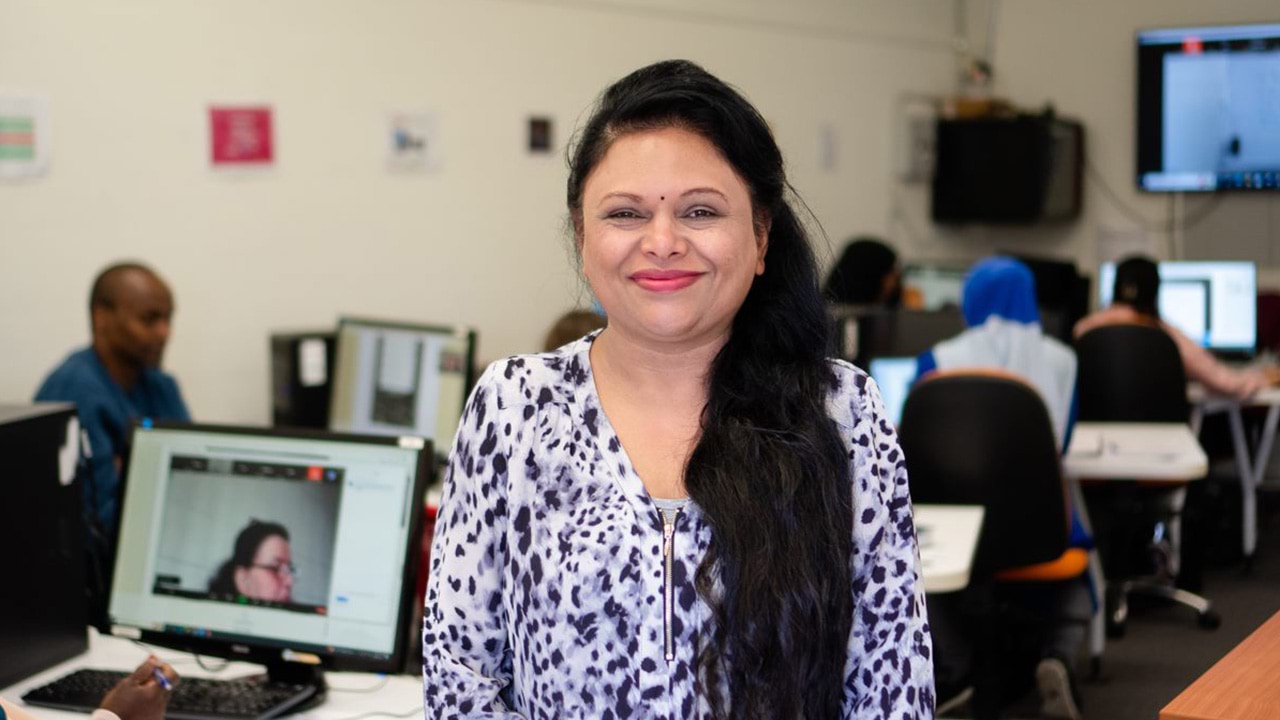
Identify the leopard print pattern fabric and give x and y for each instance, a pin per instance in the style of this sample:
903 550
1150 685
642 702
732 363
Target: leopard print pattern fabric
547 595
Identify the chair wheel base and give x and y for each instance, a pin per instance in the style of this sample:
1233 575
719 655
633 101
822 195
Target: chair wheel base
1209 620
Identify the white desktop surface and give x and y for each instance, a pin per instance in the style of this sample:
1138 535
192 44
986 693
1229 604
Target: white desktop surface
401 695
1135 451
948 536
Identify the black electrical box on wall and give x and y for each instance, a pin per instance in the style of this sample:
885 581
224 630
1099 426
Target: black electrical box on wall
1020 169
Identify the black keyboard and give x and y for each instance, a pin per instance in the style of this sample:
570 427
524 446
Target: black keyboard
193 698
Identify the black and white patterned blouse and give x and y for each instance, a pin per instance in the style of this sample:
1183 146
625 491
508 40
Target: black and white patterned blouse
558 591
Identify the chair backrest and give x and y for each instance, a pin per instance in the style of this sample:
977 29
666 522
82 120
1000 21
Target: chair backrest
1268 319
985 438
1130 373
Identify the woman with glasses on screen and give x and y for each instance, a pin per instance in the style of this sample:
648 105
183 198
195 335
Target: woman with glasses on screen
260 567
1135 300
692 513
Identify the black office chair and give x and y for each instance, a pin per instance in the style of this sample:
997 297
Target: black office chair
984 437
1130 373
1134 373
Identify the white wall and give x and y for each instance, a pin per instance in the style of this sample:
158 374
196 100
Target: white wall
1080 56
327 230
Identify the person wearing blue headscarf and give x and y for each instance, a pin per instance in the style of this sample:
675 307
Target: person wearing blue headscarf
999 307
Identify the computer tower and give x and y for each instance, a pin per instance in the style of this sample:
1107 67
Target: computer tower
42 540
1062 293
302 378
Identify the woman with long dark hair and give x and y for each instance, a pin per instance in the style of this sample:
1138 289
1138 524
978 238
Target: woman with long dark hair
866 273
692 513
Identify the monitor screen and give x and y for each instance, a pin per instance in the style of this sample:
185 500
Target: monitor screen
932 287
267 545
894 376
1213 303
398 379
1206 115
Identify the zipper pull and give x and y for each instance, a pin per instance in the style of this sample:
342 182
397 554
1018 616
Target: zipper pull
668 599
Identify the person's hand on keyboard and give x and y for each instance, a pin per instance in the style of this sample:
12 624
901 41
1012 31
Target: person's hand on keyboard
144 694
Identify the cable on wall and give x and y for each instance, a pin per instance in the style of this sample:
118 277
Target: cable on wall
1189 221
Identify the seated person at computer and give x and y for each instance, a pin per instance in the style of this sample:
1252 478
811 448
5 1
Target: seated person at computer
867 273
999 307
1137 289
571 326
260 567
140 696
117 379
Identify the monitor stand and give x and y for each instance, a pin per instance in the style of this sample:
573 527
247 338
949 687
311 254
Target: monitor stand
294 673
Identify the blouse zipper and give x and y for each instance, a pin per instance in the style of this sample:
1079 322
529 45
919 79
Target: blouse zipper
668 550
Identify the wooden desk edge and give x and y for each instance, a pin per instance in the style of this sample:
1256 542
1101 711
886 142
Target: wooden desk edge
1219 689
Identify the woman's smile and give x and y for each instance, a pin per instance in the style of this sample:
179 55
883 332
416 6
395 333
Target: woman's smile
665 281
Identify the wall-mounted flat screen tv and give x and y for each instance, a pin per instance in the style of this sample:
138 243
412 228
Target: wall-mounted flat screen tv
1209 108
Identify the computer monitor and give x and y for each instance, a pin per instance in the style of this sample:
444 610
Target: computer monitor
42 542
396 378
1213 303
894 376
932 287
338 592
302 378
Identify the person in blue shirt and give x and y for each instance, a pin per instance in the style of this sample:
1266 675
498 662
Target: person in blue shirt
117 379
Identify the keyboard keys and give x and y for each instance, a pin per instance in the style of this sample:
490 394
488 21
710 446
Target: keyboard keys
192 699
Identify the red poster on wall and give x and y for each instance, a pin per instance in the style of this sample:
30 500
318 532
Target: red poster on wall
240 135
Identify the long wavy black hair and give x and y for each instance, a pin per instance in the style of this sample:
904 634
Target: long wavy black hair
769 469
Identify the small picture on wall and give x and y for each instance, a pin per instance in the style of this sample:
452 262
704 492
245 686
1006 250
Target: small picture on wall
539 135
413 141
24 136
240 136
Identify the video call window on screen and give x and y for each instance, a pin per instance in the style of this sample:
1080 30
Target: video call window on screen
1215 304
1207 108
196 552
235 538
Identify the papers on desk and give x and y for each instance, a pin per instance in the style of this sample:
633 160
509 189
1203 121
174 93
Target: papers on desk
1095 443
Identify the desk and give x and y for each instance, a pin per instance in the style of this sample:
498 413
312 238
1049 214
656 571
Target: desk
948 536
1152 452
1252 470
1135 451
1244 685
402 693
